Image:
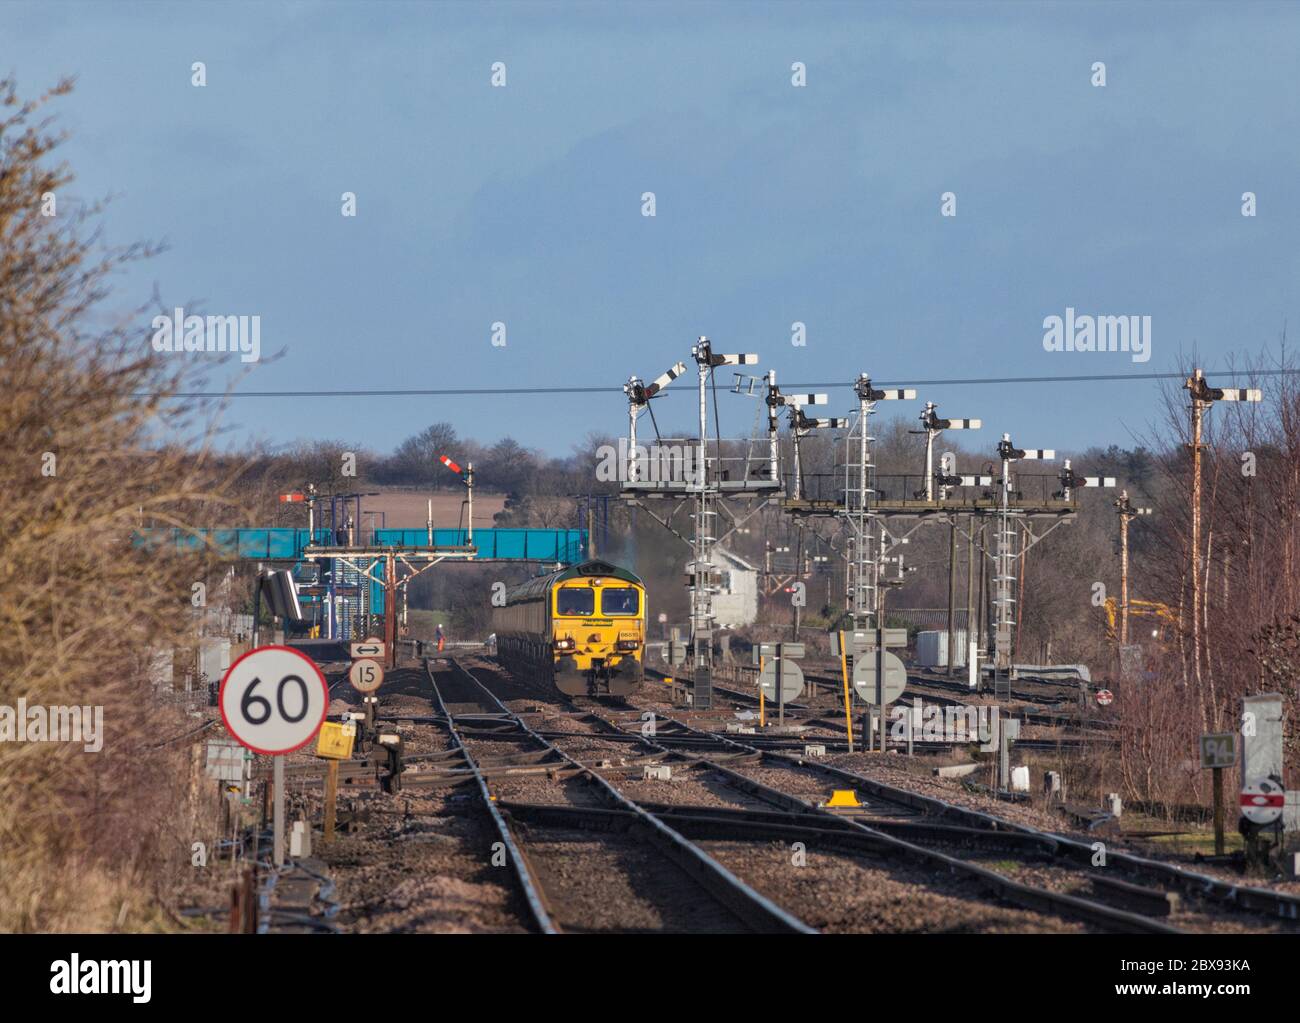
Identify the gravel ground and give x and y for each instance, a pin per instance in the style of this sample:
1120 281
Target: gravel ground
900 898
615 884
595 882
1192 917
423 861
883 894
838 893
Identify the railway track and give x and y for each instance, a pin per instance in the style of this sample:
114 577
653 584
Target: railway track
576 822
1125 877
643 876
761 808
800 712
887 826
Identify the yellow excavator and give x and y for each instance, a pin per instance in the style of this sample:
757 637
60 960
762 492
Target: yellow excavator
1162 613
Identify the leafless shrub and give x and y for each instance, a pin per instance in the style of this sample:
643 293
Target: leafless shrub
87 423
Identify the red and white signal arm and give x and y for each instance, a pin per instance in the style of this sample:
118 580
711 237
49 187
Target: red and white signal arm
273 699
1262 801
1105 697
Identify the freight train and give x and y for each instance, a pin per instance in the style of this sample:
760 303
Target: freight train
580 630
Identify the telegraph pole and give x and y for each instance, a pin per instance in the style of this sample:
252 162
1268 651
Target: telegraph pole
1127 513
1203 396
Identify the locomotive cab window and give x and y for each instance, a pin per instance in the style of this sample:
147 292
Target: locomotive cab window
620 600
575 600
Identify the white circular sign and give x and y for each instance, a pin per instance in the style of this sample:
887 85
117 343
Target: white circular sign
791 680
1105 697
864 677
365 675
273 699
1262 801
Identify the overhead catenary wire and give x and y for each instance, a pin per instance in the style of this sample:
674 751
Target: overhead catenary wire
451 392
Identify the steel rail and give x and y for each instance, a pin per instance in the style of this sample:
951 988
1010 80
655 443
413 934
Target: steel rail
1029 896
1280 905
721 823
1072 743
523 875
750 906
1259 900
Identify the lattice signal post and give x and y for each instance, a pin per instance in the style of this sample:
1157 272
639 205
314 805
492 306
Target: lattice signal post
864 588
866 500
708 486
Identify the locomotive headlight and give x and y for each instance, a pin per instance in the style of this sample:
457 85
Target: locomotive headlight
628 641
565 643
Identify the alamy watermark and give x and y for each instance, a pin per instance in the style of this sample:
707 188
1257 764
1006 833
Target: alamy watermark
656 463
1071 333
933 723
75 976
53 724
181 333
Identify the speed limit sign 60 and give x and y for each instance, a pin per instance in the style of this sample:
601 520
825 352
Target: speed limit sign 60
273 699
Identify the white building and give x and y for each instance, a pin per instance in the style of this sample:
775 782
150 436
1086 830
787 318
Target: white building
736 603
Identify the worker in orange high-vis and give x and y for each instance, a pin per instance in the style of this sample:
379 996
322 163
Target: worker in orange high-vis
441 639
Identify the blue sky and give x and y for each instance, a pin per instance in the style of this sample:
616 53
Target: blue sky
775 204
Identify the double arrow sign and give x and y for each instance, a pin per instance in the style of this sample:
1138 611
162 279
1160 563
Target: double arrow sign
369 648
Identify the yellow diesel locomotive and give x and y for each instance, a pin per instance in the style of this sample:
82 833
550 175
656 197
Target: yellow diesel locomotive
580 630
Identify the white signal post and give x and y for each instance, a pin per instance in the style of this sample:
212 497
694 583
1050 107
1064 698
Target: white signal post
707 486
466 477
865 587
273 700
638 400
858 480
1006 557
706 524
932 426
801 424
